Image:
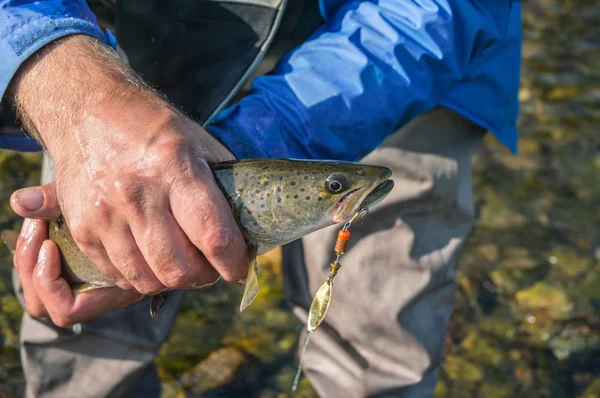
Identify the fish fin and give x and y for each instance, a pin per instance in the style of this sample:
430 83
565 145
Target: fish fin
10 239
157 303
85 287
251 289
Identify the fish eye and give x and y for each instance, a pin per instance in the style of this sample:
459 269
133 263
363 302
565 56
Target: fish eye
336 183
335 186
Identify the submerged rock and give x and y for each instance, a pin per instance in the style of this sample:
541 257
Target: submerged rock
214 372
544 299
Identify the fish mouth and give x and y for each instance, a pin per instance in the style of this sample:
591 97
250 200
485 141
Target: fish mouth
377 195
340 203
372 198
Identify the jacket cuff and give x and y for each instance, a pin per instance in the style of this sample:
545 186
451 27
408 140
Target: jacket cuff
19 143
22 42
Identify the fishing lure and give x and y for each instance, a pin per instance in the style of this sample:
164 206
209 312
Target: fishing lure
322 299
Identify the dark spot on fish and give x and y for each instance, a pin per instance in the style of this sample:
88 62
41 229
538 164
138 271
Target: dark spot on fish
278 200
262 206
307 197
247 173
266 183
319 198
306 177
302 189
257 191
252 201
295 196
278 189
280 178
236 173
268 194
287 196
293 183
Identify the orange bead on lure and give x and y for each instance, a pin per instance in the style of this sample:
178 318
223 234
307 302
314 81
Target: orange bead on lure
342 240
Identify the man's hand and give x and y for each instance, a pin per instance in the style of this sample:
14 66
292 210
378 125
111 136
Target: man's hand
37 261
132 177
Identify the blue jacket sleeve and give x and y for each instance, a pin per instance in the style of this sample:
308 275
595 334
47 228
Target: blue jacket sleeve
25 27
371 68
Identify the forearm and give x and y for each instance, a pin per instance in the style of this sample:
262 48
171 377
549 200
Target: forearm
26 26
372 68
55 87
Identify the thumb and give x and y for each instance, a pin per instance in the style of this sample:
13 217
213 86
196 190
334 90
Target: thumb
36 202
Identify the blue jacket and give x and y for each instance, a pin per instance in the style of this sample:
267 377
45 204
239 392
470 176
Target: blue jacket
372 67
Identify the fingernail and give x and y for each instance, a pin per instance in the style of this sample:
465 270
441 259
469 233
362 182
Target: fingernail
30 199
28 228
241 281
41 261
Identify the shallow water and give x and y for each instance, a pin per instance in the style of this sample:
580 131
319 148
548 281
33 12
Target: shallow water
527 317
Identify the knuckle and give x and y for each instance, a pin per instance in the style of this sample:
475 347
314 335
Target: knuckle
63 321
116 277
126 262
234 274
149 288
185 163
123 284
106 266
83 236
170 146
130 191
217 241
175 278
99 202
143 283
35 310
168 152
98 209
162 257
100 214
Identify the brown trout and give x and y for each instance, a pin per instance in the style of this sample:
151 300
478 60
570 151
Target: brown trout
274 201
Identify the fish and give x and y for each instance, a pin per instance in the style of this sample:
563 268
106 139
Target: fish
274 202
